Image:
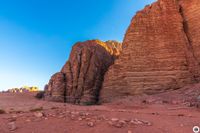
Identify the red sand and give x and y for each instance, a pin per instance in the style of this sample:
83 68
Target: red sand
157 116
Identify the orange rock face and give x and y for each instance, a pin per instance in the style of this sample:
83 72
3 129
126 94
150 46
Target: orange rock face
161 51
80 80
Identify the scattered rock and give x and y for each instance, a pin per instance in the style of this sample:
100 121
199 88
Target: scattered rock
12 118
115 122
126 120
80 119
90 124
38 114
198 98
129 131
72 117
88 119
188 104
114 119
102 117
120 124
87 114
141 122
28 120
12 126
181 125
61 116
75 113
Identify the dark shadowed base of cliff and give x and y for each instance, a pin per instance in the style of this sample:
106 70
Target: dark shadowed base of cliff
170 112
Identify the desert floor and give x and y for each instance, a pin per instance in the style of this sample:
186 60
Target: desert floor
26 114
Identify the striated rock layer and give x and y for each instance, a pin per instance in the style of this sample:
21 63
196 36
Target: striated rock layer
161 51
80 80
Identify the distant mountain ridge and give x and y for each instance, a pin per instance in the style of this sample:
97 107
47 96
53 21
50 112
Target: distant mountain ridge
23 89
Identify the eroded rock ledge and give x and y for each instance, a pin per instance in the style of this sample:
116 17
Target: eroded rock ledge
81 78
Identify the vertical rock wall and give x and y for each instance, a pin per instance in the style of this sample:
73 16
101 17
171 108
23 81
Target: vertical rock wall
80 80
160 51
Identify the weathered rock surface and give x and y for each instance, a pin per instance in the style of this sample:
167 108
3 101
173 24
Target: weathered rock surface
80 80
161 51
55 90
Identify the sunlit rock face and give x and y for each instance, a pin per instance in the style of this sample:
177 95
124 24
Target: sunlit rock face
161 51
23 89
80 80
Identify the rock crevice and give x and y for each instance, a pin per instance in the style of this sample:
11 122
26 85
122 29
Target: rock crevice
191 59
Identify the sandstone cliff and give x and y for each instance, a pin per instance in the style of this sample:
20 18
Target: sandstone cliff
161 51
80 80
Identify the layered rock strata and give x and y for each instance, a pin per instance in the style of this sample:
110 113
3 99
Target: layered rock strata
80 80
161 51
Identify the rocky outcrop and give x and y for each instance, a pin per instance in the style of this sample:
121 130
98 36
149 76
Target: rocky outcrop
23 89
80 80
161 51
55 90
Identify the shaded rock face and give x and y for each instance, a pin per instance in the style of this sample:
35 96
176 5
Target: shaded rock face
80 80
161 51
55 90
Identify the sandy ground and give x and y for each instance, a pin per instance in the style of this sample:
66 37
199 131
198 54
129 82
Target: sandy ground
143 114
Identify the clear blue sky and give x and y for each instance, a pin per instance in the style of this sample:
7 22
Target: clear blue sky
36 36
